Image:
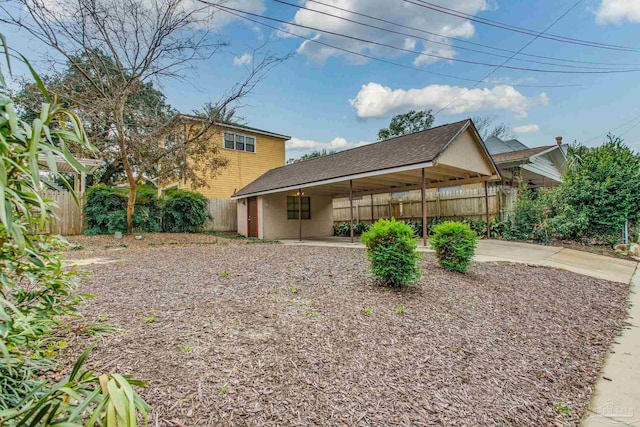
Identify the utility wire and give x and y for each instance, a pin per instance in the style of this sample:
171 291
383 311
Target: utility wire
396 24
374 58
536 70
628 130
503 64
520 30
533 32
438 42
615 128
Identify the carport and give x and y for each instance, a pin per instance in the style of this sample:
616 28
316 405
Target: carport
296 200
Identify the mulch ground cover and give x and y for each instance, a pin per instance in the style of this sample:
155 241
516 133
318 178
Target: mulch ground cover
229 333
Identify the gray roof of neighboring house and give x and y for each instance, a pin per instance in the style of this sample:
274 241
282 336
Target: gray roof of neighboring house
414 148
519 155
496 145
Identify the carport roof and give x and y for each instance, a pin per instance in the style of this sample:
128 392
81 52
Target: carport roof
412 149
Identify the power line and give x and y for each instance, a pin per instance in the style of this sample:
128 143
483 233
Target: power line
615 128
520 50
533 32
520 30
631 128
536 70
374 58
462 40
434 41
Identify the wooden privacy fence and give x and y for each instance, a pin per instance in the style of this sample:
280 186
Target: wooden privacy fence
68 221
225 215
468 203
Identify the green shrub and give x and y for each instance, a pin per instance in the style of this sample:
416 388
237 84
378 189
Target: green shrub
343 230
454 243
391 248
498 228
184 211
527 216
106 210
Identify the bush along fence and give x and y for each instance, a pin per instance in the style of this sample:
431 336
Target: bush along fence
465 203
179 211
69 220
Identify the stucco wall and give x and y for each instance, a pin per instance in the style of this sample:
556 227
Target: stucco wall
272 210
242 217
465 153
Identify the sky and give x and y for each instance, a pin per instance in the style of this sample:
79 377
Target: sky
326 98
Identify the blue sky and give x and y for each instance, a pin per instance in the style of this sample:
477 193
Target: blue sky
327 99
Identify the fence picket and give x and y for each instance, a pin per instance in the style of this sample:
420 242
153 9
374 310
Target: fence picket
467 203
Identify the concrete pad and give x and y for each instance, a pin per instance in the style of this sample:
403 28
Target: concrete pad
614 269
86 261
617 393
515 251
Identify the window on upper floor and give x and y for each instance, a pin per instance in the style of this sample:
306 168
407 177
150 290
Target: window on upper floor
239 142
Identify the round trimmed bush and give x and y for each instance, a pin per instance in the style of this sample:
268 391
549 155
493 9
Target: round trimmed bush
454 243
391 248
185 212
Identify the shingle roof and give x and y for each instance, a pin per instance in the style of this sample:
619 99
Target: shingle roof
240 127
414 148
496 145
514 156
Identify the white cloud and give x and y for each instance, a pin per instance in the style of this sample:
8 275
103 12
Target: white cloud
403 13
242 60
296 147
440 50
375 100
209 17
526 129
617 11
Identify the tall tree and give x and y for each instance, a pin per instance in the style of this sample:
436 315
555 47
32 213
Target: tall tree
76 93
313 155
487 128
402 124
144 42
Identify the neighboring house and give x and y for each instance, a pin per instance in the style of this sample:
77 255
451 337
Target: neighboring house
296 200
538 167
250 152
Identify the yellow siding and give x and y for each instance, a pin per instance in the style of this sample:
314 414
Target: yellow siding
243 167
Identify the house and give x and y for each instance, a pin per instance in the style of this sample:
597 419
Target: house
250 152
296 200
538 167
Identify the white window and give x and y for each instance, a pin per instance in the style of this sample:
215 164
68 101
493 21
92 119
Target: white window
250 144
239 142
228 140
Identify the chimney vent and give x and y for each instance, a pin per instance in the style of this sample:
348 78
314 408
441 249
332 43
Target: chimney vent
559 140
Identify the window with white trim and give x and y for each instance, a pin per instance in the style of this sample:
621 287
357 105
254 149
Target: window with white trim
239 142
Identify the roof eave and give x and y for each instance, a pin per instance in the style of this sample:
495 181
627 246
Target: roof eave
240 127
335 180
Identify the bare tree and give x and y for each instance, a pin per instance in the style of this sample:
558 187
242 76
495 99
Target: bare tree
124 45
487 128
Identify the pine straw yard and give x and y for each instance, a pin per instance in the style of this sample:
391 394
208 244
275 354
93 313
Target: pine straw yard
228 333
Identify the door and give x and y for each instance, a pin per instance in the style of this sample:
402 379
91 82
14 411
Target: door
252 216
